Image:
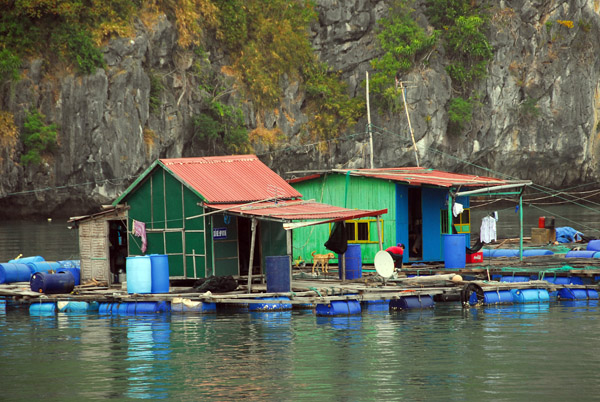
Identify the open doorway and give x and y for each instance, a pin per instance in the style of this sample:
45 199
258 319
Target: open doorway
415 224
117 248
244 242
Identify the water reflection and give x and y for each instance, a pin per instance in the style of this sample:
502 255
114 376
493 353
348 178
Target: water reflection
148 350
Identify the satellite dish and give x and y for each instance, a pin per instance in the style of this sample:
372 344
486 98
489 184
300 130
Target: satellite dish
384 264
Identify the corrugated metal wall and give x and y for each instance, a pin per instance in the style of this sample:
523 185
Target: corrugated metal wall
364 193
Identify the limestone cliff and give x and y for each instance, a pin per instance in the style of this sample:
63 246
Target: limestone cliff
536 116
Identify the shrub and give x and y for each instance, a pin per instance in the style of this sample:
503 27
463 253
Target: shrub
460 114
38 138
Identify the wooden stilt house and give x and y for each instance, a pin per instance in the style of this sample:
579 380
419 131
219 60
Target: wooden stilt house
217 215
420 205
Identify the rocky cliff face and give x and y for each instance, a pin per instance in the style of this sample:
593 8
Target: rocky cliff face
537 113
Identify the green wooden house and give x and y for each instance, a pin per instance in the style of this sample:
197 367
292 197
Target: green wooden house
417 200
217 215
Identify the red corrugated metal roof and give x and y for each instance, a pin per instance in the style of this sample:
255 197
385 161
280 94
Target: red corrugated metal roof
230 179
417 176
296 210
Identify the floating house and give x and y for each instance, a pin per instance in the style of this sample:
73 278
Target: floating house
210 215
423 205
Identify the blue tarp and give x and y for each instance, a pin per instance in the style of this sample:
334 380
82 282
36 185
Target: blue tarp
567 234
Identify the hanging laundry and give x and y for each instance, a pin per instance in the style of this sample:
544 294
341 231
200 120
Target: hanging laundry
139 230
487 233
457 209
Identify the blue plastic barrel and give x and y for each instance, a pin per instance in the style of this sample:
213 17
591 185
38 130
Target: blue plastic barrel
44 282
530 295
514 278
375 305
353 262
73 306
14 272
44 266
455 254
339 307
139 274
594 245
42 308
582 254
105 308
25 260
69 263
160 273
412 302
76 272
266 306
572 294
278 273
141 308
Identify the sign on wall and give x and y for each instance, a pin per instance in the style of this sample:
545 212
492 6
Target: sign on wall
220 233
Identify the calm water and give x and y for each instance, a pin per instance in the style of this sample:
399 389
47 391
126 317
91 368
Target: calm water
446 354
510 353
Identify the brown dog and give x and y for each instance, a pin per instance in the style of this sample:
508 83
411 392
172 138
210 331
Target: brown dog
322 260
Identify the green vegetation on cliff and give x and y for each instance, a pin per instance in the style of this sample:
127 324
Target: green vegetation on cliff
264 40
459 26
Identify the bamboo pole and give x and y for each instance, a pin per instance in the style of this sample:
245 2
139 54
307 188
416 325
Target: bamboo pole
251 263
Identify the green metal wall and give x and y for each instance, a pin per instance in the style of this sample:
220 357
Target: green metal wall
363 193
163 203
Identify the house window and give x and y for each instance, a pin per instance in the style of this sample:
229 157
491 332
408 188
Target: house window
462 222
363 231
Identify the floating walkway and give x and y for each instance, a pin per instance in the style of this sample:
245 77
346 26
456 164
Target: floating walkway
325 297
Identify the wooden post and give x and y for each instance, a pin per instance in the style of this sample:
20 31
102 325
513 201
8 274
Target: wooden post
251 263
194 261
379 233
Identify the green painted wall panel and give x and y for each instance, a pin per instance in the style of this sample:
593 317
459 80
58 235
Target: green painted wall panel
174 197
331 189
200 267
138 203
190 204
174 242
175 265
158 200
156 243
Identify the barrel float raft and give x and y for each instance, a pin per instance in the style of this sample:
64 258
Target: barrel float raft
577 294
279 306
76 306
42 308
530 295
412 302
182 305
338 307
375 305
